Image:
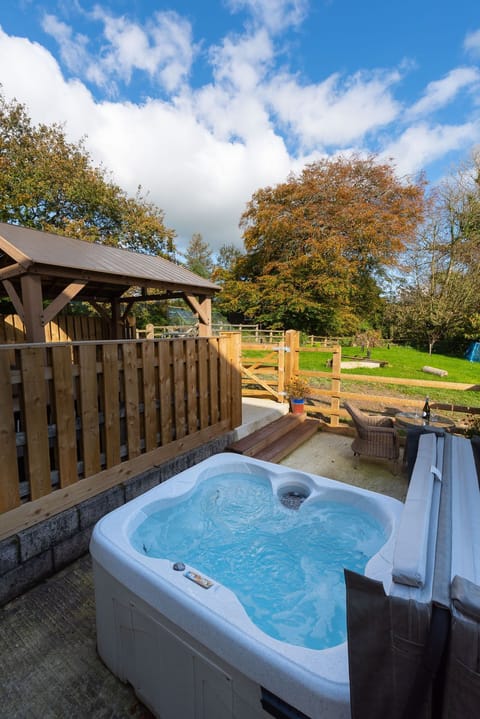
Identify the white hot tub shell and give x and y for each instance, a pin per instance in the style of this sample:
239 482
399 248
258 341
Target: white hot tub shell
191 653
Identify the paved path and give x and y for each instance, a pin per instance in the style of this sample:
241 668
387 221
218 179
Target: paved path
49 667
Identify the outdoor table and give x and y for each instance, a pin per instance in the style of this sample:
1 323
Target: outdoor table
412 420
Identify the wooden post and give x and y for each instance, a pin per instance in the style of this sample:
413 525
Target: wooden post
205 325
32 300
232 356
292 343
281 372
336 386
203 309
117 330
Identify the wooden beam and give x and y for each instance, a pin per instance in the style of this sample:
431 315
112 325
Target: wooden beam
61 300
16 301
101 310
130 302
203 310
33 308
12 271
170 295
49 271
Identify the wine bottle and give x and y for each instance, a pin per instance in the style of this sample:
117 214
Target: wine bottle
426 411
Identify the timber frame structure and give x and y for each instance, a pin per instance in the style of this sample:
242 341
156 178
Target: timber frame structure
42 272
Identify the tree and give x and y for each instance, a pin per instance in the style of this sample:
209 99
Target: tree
227 257
199 256
51 184
439 296
317 245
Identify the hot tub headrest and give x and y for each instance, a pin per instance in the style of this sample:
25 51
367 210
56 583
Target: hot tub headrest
411 547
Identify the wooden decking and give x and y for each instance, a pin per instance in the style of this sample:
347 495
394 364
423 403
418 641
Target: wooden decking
278 439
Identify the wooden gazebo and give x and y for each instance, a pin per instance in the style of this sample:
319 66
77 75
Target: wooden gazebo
42 272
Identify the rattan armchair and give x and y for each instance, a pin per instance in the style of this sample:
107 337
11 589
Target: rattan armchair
376 436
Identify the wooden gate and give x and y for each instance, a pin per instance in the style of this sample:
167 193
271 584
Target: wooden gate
266 369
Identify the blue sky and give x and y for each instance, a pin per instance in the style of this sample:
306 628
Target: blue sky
202 103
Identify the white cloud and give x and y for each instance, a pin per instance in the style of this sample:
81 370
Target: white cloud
162 48
276 15
441 92
422 144
334 112
241 63
73 48
472 43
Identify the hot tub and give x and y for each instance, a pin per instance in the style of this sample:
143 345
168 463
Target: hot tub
183 639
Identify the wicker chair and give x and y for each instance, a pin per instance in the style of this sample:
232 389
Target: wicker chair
376 436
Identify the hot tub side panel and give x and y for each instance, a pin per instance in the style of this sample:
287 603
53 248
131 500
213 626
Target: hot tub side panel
171 672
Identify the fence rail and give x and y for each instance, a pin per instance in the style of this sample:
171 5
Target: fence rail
249 333
72 412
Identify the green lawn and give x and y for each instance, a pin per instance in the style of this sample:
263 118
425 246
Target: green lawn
407 362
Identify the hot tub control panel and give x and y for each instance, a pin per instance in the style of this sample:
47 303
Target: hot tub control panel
198 579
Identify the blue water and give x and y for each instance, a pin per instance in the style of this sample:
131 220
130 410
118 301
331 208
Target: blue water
285 566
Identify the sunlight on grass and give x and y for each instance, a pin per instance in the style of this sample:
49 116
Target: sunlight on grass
407 363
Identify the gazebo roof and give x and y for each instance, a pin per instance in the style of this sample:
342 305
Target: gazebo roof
108 271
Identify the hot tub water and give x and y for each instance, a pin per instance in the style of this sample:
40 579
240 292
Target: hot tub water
284 566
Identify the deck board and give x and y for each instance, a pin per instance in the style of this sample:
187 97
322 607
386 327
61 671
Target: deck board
277 439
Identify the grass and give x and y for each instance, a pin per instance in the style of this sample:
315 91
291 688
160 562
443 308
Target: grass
405 362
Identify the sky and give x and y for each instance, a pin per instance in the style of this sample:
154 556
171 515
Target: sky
203 102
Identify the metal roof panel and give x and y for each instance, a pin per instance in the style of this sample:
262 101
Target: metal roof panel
45 248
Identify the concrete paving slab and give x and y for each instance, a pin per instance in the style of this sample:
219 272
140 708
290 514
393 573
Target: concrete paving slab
330 455
256 413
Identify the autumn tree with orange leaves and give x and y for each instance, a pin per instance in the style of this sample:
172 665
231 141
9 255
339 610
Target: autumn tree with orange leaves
317 245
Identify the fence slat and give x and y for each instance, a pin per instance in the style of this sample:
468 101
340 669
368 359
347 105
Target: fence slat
132 403
111 404
213 363
191 388
149 398
66 440
179 388
89 419
165 389
36 421
223 377
9 488
203 384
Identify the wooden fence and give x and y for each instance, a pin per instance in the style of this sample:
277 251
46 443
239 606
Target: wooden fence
82 417
266 371
249 333
65 328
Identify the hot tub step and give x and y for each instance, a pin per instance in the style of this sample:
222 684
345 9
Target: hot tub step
264 437
275 441
284 445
